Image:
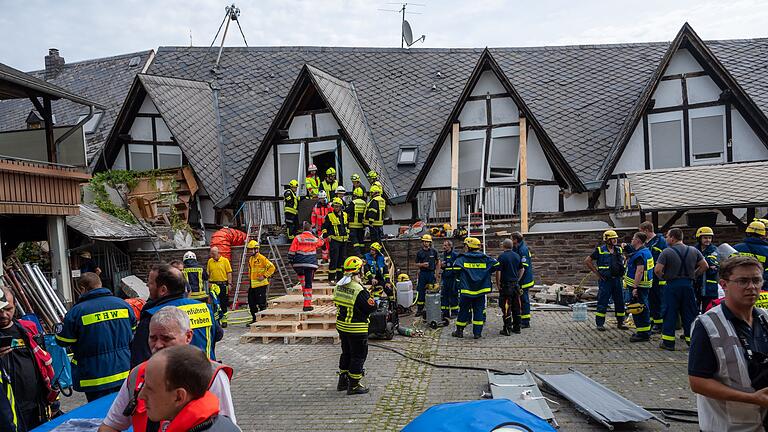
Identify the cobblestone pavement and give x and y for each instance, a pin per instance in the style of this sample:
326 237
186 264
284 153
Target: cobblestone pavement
281 387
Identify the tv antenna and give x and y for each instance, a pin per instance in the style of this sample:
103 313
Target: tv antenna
406 34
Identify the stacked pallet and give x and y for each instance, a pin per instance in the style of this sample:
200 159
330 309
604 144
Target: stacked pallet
285 320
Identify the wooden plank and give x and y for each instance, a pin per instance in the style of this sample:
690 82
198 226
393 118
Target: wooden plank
455 175
523 175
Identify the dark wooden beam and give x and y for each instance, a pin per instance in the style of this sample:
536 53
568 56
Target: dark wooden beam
728 134
750 214
685 75
646 143
492 96
484 127
689 106
642 216
309 140
728 213
655 219
593 197
310 112
678 214
49 139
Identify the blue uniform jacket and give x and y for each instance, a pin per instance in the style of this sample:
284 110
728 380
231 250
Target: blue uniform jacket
758 248
707 283
450 272
475 275
205 330
98 328
656 244
510 263
640 257
528 278
376 267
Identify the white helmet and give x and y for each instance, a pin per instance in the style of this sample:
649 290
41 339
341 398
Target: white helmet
341 189
189 255
311 168
322 194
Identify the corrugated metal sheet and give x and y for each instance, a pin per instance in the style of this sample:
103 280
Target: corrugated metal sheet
97 225
522 390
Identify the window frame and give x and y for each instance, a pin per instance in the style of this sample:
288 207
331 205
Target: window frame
707 112
139 148
664 118
402 150
505 132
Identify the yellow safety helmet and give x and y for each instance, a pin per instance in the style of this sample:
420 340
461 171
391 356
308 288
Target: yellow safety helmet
472 243
376 246
426 238
610 234
353 264
704 231
330 171
355 177
293 183
446 227
357 193
375 189
402 277
253 244
756 227
635 308
372 174
764 221
337 201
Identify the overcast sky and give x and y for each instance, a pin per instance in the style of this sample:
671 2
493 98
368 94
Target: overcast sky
83 29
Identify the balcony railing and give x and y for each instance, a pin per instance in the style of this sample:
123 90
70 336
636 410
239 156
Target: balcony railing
497 202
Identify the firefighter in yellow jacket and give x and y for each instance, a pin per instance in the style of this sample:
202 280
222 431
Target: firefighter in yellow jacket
260 270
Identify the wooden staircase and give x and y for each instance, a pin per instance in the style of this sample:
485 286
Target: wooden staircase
284 318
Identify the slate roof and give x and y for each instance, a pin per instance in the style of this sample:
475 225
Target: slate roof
188 109
97 225
104 80
19 78
742 185
343 102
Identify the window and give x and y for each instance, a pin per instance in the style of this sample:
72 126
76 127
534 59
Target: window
407 156
666 144
90 126
162 133
288 160
168 157
503 162
470 162
141 157
707 136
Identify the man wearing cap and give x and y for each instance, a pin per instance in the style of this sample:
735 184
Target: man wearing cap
260 269
291 209
428 262
374 214
356 217
87 264
330 183
357 184
312 182
302 255
474 283
336 231
706 286
756 246
607 263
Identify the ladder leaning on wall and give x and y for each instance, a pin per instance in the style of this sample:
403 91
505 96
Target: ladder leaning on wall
254 218
277 260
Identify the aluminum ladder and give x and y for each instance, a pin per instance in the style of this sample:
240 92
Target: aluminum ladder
277 260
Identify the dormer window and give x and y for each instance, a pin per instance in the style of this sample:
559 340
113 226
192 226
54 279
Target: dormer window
90 126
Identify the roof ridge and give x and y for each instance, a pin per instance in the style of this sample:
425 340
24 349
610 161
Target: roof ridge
114 57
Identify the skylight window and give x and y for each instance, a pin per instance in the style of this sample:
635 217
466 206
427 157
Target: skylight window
407 156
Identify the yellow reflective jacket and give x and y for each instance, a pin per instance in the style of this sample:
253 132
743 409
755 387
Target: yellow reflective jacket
260 269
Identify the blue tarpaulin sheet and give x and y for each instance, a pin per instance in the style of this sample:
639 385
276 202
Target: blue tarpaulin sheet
476 416
97 409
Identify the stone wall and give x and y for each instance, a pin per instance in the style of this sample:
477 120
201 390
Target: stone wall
557 257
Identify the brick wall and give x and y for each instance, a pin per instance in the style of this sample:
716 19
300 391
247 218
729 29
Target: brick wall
557 257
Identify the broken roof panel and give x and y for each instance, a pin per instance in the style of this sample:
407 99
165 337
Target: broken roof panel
188 109
97 225
740 185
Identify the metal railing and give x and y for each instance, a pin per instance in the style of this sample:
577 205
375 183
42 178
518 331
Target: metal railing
498 202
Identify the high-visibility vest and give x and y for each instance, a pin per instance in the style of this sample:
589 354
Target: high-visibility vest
374 211
647 261
194 276
356 213
330 188
347 320
291 202
313 185
338 227
605 258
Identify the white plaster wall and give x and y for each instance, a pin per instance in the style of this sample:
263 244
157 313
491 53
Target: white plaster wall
326 124
538 167
209 214
148 107
264 185
545 198
440 173
487 83
682 62
473 114
576 201
702 89
400 212
120 161
633 158
300 127
668 93
746 145
351 166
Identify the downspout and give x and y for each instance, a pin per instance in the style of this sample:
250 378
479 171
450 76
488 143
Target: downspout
74 128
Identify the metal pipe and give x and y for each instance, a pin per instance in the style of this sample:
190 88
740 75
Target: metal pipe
74 128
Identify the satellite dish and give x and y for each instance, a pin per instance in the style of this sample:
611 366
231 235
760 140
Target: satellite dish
407 33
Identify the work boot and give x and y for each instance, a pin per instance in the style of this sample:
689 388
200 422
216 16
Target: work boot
420 311
459 332
620 325
664 346
224 324
656 328
507 329
356 388
516 329
343 382
477 336
525 324
601 328
639 338
308 308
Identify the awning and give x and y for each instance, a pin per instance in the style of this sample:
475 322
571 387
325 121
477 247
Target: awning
97 225
708 187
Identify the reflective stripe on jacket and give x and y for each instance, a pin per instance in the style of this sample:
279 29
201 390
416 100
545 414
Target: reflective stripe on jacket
356 213
350 317
319 212
605 258
525 254
707 283
475 275
201 321
291 202
196 277
260 269
303 250
374 211
313 185
335 227
757 248
329 188
647 262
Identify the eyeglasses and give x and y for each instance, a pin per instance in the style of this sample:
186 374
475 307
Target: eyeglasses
745 282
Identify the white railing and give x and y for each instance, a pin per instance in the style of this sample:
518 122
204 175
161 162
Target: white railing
498 202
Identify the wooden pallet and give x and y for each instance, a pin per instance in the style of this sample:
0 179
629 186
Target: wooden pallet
312 336
316 291
275 326
297 301
318 324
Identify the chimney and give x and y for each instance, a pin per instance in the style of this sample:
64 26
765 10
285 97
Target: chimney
53 63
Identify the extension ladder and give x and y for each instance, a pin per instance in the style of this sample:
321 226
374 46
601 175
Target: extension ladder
277 260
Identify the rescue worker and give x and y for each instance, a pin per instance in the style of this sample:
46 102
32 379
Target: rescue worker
302 255
528 280
341 193
319 212
449 293
166 288
330 183
639 279
706 285
291 209
196 276
353 307
373 178
508 280
656 243
336 231
377 272
98 329
474 283
260 269
428 262
374 214
607 263
312 182
169 327
756 246
220 273
357 185
356 217
679 265
9 419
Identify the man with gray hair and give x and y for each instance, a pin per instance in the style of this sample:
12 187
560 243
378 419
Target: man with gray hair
508 281
168 327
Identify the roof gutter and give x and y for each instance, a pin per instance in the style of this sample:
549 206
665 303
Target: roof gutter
74 128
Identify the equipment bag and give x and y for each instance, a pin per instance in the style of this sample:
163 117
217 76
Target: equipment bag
61 364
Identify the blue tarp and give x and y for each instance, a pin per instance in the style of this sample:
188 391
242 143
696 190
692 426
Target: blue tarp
97 409
476 416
